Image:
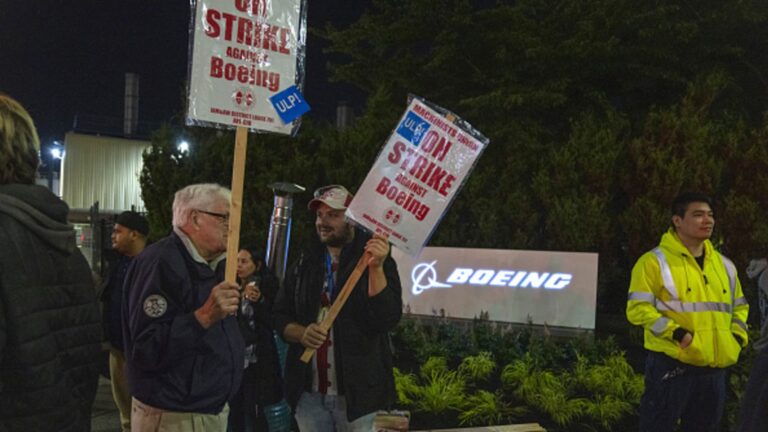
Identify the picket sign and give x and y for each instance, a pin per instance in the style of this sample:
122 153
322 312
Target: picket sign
244 54
413 182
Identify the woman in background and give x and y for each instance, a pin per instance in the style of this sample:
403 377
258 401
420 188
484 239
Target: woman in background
262 382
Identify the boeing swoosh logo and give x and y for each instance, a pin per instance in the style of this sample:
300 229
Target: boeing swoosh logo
424 277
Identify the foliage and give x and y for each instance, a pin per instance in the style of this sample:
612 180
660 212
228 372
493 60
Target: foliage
476 369
566 385
605 393
434 366
614 377
443 391
486 408
571 384
405 384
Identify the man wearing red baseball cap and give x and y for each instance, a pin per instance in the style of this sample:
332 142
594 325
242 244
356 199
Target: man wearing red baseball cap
350 377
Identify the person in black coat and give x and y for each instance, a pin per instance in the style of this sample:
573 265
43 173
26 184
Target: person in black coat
262 382
350 376
129 238
50 324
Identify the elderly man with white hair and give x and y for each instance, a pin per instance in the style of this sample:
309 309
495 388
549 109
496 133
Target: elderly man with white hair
183 347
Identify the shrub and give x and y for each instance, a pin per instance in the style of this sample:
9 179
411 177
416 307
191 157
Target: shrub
486 408
574 385
442 391
477 368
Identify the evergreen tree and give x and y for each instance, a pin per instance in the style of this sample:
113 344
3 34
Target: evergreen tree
599 112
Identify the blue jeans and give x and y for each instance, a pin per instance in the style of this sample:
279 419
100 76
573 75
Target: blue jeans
316 412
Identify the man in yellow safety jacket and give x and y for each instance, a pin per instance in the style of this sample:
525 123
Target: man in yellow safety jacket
688 299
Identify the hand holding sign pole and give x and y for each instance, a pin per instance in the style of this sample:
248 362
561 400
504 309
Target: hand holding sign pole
414 180
341 298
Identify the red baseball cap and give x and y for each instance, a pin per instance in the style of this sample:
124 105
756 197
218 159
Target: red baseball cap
336 197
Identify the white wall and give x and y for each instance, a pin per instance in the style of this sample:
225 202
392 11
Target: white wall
103 169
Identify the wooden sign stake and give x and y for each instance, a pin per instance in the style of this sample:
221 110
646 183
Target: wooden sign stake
236 205
340 300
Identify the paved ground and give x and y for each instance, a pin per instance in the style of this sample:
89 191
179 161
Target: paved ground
104 417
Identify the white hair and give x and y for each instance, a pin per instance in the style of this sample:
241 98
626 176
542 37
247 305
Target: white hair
200 196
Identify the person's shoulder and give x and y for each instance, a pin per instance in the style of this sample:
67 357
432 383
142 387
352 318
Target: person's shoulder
165 250
648 261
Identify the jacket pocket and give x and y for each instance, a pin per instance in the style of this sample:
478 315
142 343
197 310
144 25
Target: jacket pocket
728 349
711 347
697 353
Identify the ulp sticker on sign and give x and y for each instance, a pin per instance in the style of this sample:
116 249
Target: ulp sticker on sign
289 104
413 128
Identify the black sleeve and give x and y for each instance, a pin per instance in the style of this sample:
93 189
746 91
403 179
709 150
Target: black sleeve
383 311
284 309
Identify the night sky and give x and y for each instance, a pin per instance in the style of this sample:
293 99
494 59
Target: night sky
63 58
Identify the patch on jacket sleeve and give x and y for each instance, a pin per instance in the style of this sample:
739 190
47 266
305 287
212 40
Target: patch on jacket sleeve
155 306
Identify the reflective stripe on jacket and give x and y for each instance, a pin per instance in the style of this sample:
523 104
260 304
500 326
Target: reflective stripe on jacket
669 290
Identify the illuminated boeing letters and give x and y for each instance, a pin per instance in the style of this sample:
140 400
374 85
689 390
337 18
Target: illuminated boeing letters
424 277
557 288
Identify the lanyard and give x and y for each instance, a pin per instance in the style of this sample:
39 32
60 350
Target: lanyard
330 282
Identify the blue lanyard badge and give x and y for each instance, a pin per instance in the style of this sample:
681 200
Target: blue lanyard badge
330 282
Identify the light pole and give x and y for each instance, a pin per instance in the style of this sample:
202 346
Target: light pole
57 153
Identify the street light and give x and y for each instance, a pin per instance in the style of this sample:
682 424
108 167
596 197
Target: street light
183 146
57 154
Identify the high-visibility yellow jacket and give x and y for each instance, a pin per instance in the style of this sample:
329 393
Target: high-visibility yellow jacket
669 290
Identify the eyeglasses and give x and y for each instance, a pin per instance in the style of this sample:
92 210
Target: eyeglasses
223 218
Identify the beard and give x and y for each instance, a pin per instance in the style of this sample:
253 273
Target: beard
335 237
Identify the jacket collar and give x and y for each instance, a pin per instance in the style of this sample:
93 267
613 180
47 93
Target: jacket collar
672 243
185 240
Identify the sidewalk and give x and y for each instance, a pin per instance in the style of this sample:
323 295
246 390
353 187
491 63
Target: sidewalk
104 416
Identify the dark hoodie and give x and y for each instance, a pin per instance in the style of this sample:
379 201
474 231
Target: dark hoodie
49 318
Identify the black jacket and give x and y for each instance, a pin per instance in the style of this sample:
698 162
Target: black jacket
50 325
361 331
173 362
267 379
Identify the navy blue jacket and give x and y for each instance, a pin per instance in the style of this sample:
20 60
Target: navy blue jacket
173 362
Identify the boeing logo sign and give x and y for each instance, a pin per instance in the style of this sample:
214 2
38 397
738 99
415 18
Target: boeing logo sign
518 286
424 277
